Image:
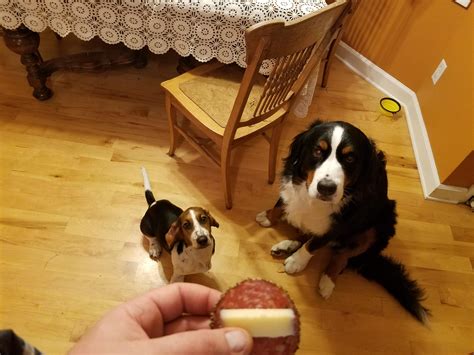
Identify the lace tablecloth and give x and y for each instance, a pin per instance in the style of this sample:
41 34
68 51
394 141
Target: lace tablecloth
205 29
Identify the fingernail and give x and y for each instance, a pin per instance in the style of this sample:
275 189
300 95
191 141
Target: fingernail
237 340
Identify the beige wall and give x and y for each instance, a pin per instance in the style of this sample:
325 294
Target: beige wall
408 39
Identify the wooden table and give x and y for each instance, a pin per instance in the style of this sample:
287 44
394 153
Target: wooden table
202 29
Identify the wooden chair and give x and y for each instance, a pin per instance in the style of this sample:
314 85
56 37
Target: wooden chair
340 25
228 105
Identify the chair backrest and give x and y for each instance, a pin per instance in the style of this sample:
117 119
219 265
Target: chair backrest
295 48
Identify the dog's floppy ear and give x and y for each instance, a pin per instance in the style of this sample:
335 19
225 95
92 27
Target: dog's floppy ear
214 223
293 162
375 175
173 235
146 226
212 220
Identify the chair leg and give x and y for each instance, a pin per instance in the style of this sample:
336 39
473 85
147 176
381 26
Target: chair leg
171 113
225 161
276 134
330 58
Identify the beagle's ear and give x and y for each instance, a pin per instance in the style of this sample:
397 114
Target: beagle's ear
173 235
212 220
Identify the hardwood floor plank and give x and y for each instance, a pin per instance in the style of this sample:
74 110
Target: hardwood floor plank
463 234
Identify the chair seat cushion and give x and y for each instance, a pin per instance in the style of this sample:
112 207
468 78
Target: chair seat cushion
215 92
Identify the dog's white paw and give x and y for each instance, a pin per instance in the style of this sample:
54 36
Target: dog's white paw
285 248
295 263
262 219
326 286
154 251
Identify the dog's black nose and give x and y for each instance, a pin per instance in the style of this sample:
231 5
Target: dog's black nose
327 187
202 240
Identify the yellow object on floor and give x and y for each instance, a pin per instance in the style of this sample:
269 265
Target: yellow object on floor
389 106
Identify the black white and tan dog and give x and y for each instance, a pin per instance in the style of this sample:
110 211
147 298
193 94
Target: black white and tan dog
334 190
186 235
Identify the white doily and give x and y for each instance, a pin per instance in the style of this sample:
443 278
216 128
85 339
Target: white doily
205 29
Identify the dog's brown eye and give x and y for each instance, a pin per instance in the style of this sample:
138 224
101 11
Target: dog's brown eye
203 218
318 153
349 158
186 225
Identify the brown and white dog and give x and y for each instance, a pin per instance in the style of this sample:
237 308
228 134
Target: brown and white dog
186 235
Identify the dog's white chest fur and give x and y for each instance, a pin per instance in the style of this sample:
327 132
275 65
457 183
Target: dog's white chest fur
191 260
308 214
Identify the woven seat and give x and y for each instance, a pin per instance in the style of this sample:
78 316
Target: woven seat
215 92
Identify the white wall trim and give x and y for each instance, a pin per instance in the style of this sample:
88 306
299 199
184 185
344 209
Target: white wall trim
429 177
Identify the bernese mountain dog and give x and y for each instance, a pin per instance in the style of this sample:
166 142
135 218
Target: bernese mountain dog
334 190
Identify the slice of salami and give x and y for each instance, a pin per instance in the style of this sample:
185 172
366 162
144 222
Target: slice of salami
252 294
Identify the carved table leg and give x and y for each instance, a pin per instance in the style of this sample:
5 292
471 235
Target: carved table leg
24 42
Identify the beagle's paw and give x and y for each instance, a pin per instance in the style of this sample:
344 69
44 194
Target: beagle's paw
326 286
262 219
154 251
285 248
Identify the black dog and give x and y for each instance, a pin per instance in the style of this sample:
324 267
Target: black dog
334 190
186 235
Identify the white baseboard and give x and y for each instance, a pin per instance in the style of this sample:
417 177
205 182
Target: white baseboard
429 177
452 194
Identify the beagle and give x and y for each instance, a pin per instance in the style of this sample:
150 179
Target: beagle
186 235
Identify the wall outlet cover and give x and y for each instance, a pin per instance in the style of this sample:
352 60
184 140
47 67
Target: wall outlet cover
439 71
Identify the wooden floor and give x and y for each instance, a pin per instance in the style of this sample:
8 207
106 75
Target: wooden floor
72 198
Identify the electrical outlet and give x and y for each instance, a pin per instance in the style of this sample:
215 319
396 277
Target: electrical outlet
439 71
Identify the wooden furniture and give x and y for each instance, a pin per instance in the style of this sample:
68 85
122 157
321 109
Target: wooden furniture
342 22
228 106
25 42
200 29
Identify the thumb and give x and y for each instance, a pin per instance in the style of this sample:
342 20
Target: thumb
205 341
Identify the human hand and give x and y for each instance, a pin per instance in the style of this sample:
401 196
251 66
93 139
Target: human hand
173 319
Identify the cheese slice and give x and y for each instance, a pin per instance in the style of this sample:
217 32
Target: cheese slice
261 322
